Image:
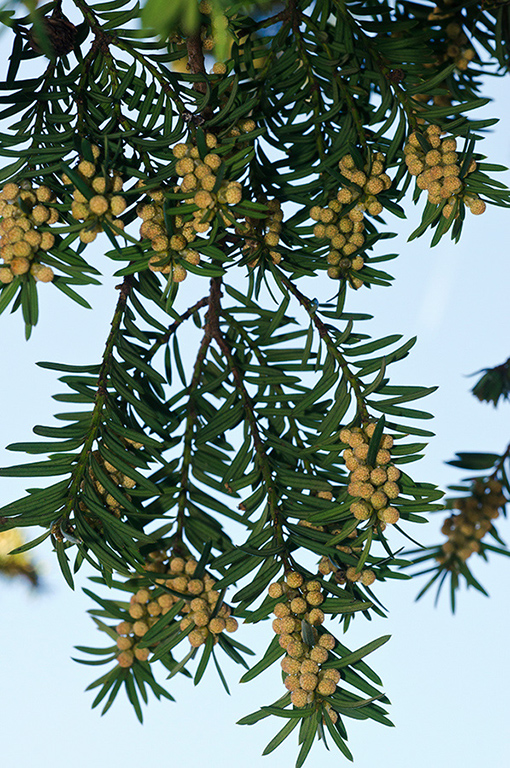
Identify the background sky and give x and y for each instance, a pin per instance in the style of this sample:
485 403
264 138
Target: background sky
446 676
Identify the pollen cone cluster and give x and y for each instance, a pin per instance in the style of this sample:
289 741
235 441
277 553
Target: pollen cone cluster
267 231
118 478
437 171
169 249
456 48
474 519
373 487
25 211
102 204
365 576
307 649
200 610
201 183
326 565
342 220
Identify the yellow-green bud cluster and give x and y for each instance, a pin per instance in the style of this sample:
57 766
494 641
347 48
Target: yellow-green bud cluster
438 171
119 478
24 208
104 202
456 48
199 178
267 230
342 575
302 664
208 41
474 519
149 604
168 250
243 126
326 565
344 228
372 487
202 611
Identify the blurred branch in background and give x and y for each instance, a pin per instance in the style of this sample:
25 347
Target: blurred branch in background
17 565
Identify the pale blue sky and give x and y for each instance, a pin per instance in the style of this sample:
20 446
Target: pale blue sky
447 677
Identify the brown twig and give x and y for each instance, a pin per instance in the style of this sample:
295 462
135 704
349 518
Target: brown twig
173 327
330 344
258 443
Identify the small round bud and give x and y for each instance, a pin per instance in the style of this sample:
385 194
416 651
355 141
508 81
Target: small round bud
367 577
291 682
327 641
184 166
361 452
196 638
294 579
219 68
136 611
314 598
319 654
140 628
99 185
308 682
177 565
10 191
98 205
117 205
178 242
86 235
275 589
352 575
153 608
298 605
326 687
178 273
288 625
125 659
393 473
19 265
316 616
195 586
391 489
124 643
42 274
142 596
281 609
40 214
379 499
299 698
234 195
231 624
22 248
383 456
295 649
86 169
477 207
374 186
361 510
390 515
332 674
180 151
217 625
345 435
142 654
